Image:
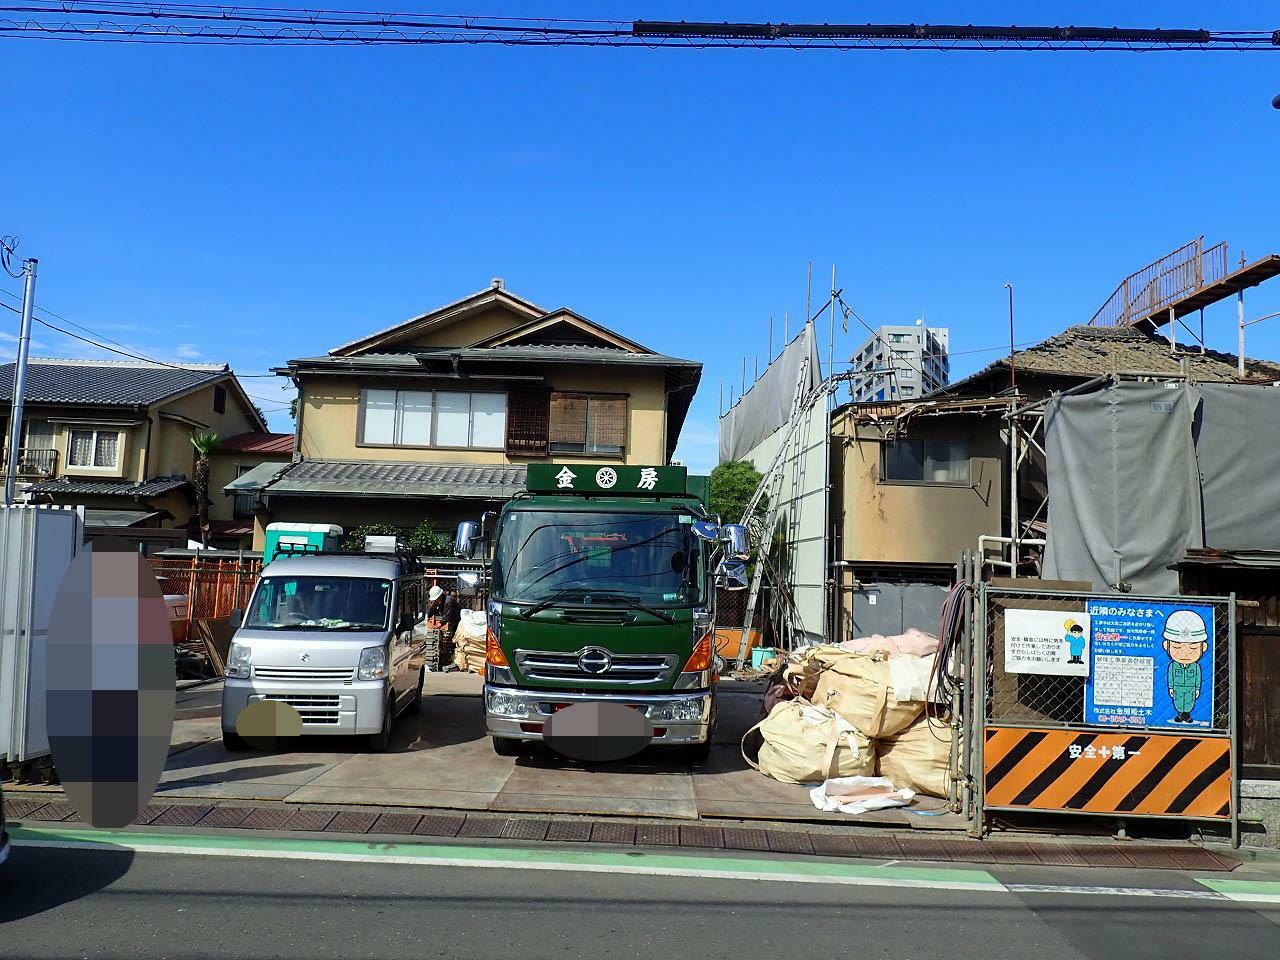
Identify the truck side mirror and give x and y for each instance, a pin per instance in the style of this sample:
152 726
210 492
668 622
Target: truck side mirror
464 544
468 584
734 536
732 575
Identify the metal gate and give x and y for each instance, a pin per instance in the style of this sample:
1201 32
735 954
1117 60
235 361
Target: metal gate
1103 743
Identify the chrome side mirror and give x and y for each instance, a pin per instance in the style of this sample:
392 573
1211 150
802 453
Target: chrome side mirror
468 584
731 575
734 536
705 530
464 543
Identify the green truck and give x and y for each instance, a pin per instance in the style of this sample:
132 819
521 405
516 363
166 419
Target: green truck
602 581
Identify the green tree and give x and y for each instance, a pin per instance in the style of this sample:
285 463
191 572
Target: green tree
732 486
293 409
205 444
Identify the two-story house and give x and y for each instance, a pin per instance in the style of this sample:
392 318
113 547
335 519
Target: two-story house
115 437
435 418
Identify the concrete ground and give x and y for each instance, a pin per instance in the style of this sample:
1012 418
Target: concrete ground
442 759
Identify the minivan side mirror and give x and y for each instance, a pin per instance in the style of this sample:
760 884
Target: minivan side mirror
464 544
236 617
734 536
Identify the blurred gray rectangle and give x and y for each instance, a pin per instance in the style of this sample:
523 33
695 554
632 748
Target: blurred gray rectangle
37 544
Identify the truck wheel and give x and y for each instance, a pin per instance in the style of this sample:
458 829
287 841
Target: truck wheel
415 705
233 741
698 753
380 742
506 747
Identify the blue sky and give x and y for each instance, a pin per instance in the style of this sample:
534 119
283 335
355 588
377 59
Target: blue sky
253 205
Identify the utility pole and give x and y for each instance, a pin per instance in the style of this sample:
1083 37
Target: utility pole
1012 379
19 372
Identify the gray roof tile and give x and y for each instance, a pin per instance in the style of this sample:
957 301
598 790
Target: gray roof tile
65 487
106 382
393 478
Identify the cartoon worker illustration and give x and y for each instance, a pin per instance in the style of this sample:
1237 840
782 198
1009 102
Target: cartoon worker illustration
1075 641
1185 640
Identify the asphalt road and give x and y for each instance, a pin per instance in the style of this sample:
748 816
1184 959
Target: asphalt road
137 905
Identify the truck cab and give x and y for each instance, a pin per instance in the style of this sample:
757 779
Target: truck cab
600 591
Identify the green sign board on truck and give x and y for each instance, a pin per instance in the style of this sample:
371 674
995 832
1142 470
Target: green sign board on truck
613 480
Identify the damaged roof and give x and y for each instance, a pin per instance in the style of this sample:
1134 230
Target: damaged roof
1086 351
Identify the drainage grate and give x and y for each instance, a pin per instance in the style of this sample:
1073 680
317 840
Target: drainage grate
1059 855
396 824
788 841
658 834
834 845
226 817
571 830
184 816
885 848
482 826
697 835
150 812
439 825
1013 852
525 828
267 818
351 821
310 820
17 809
57 810
1103 856
745 838
610 831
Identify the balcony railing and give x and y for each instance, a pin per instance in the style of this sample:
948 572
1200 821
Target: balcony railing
36 463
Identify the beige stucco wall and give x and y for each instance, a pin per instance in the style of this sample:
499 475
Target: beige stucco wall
171 450
222 470
464 332
331 408
914 522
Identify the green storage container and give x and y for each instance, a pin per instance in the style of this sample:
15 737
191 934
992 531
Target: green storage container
300 536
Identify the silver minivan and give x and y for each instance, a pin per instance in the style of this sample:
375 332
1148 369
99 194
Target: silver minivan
341 638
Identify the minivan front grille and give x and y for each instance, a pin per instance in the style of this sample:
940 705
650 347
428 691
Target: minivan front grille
624 668
317 710
266 672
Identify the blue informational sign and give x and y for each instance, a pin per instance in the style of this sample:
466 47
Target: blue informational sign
1151 664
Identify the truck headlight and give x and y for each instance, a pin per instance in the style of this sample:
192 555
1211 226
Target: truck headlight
505 704
373 663
677 711
238 661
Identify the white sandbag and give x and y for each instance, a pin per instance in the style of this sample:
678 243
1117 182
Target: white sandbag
860 688
803 743
858 795
910 676
919 758
471 625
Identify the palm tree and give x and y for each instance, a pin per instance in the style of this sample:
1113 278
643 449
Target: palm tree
205 444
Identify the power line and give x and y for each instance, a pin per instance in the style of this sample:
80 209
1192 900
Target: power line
185 23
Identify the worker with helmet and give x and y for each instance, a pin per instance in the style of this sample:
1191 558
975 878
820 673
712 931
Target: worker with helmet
1185 640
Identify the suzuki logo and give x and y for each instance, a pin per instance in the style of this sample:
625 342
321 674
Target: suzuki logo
595 661
305 657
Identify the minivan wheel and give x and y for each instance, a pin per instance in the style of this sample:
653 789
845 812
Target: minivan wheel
415 705
233 741
698 753
380 742
506 747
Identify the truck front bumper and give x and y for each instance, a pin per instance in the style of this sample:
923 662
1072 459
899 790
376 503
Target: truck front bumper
678 719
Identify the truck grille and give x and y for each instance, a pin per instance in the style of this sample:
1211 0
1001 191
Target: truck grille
624 668
319 710
344 674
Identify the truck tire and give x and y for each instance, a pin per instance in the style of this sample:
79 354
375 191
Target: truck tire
698 753
233 741
506 747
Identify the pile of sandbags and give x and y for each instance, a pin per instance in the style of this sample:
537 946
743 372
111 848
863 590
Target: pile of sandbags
469 641
860 708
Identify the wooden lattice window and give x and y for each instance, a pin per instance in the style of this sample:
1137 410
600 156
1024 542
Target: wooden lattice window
589 424
528 422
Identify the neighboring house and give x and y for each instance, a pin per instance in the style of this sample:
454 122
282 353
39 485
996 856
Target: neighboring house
435 418
115 437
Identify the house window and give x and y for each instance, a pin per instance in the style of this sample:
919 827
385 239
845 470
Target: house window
926 461
588 424
899 337
219 399
426 418
907 391
99 449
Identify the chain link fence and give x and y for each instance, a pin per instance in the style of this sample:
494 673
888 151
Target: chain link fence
1054 700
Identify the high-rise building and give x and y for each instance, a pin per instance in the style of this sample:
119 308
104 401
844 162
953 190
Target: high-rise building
901 363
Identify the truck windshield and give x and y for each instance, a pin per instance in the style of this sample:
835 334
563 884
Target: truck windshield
652 558
320 603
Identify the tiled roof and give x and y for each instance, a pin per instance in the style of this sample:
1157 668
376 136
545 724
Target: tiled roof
64 487
106 382
545 353
1086 351
118 518
397 479
257 442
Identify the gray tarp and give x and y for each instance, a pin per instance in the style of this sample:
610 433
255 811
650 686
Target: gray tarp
766 407
1238 448
1123 497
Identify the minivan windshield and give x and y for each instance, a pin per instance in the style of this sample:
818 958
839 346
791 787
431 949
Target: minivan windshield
320 603
650 558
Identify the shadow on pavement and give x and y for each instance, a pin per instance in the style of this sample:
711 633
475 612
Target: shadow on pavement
36 879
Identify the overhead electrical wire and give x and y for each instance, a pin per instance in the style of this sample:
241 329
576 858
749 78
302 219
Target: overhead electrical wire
128 21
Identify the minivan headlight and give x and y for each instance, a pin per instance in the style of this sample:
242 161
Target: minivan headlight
373 663
238 661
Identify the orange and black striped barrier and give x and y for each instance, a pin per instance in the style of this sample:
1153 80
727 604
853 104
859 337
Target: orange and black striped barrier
1143 774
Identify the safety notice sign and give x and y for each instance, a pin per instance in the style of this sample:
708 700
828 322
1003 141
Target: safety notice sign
1151 664
1047 642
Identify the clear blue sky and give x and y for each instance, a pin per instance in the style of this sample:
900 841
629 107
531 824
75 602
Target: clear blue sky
253 205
